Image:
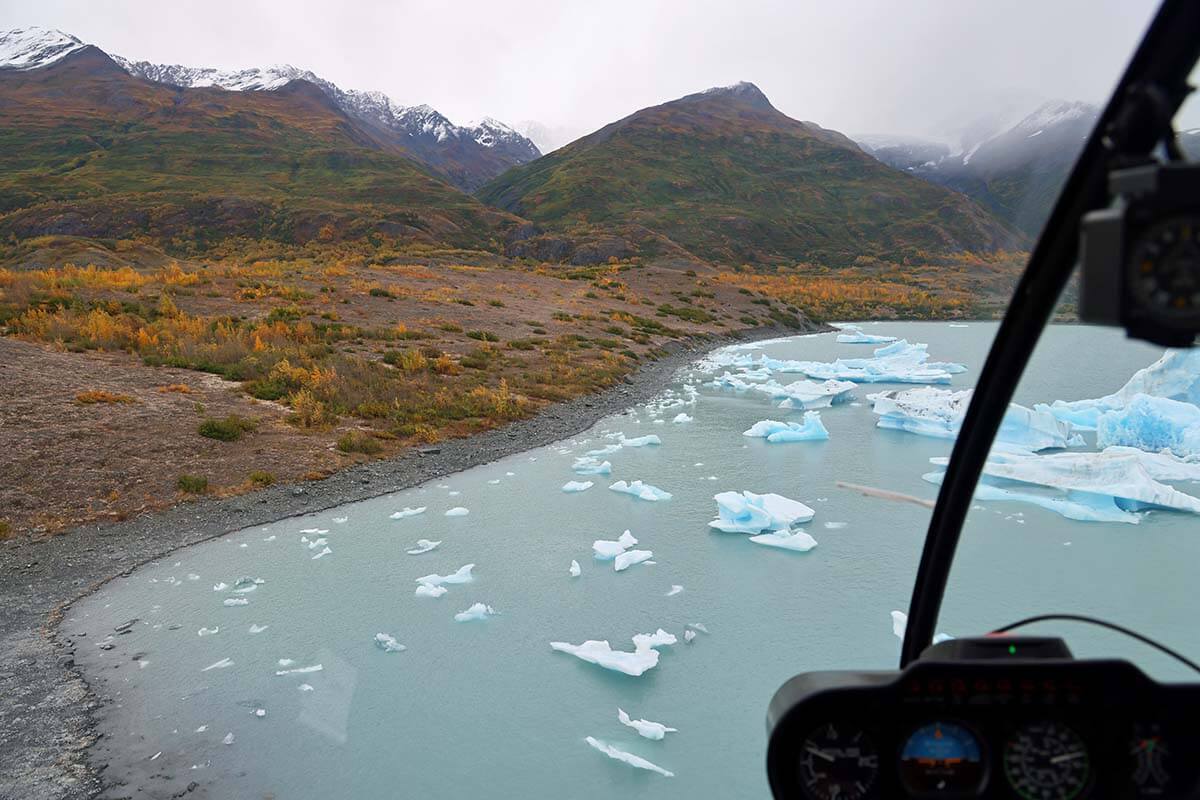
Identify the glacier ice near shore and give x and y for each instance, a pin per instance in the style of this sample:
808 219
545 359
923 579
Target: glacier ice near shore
807 395
775 432
1153 424
747 512
898 362
407 512
590 465
645 728
1112 485
643 658
628 758
853 334
1175 376
642 491
799 541
929 411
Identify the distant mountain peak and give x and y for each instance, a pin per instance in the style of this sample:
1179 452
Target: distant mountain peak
742 91
30 48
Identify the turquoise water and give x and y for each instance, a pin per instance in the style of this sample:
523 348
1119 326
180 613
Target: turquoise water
486 708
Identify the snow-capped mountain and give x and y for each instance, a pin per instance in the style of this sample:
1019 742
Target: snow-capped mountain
467 155
549 138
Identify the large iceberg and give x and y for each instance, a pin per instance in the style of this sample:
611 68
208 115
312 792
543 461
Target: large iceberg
899 362
644 657
807 395
608 549
1153 424
1109 486
811 430
939 413
1175 376
628 758
799 541
747 512
644 727
642 491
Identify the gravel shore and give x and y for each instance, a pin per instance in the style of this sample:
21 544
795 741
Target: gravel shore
47 719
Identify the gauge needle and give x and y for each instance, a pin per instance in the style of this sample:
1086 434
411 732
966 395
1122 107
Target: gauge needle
1067 757
821 754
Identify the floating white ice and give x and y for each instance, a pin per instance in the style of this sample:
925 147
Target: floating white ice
608 549
776 432
627 559
388 644
640 441
798 541
457 511
572 487
461 575
407 512
747 512
681 418
628 758
476 613
644 727
575 569
590 465
423 546
1175 376
1153 424
854 335
898 362
642 491
644 657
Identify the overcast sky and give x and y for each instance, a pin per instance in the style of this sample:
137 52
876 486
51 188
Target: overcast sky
919 67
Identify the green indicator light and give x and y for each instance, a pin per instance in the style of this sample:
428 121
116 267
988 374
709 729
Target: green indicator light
1012 649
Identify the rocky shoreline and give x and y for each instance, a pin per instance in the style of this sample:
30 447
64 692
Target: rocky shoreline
47 724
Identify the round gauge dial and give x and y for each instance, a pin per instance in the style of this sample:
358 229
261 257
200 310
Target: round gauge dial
942 759
1165 269
1047 761
838 762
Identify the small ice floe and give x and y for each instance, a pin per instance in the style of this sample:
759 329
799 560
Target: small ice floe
300 670
407 512
245 585
674 590
208 631
608 549
243 544
305 687
900 624
260 712
590 465
340 520
201 729
494 481
628 758
476 613
641 441
571 487
236 601
509 474
388 643
689 635
642 491
644 656
747 512
423 546
698 626
454 493
798 541
681 418
461 575
425 590
220 587
315 543
286 662
270 538
317 531
443 486
854 335
575 569
193 576
257 628
607 450
835 526
458 511
326 551
629 558
811 430
228 738
222 664
645 728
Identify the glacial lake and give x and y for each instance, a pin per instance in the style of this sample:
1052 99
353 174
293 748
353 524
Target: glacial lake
487 709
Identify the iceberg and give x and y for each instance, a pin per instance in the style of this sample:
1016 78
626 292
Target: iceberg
428 590
674 590
236 601
257 628
476 613
222 664
324 552
747 512
939 413
1175 376
1153 424
577 486
607 450
208 631
629 558
645 728
643 658
388 643
608 549
245 585
775 432
220 587
628 758
590 465
407 512
642 491
900 624
689 635
300 670
575 569
807 395
898 362
340 520
462 575
799 541
457 511
229 738
681 418
423 546
640 441
854 335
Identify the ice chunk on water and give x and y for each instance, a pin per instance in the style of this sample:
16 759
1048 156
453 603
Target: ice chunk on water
747 512
457 511
808 394
285 662
257 628
324 552
208 631
575 569
1175 376
228 738
939 413
426 590
681 418
388 644
476 613
590 465
494 482
689 635
644 657
577 486
628 758
674 590
607 450
462 575
798 541
220 587
300 670
315 543
900 624
640 441
222 664
1153 424
644 727
625 560
305 687
246 584
606 549
642 491
340 520
236 601
835 526
423 546
407 512
854 335
775 432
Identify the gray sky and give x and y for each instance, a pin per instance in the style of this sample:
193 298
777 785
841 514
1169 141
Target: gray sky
920 67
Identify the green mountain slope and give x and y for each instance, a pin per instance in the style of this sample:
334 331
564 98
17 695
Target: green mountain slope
88 150
729 178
